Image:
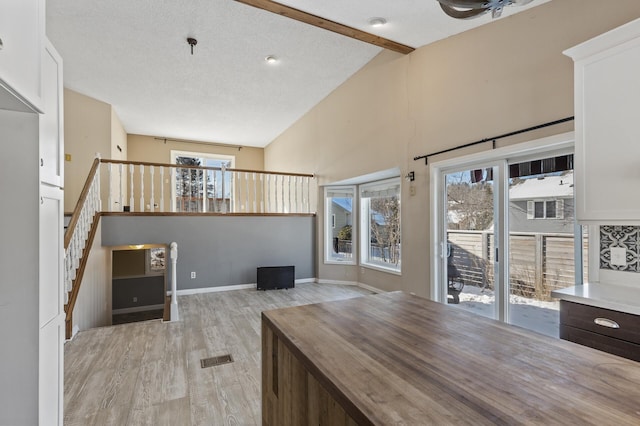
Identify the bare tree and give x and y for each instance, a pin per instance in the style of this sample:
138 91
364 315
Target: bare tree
472 204
385 227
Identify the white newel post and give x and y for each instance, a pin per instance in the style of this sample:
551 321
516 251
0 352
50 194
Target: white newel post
174 282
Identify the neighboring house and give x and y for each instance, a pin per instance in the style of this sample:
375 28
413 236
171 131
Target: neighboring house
542 204
342 214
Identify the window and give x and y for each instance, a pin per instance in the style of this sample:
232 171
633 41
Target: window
380 224
550 209
339 224
189 184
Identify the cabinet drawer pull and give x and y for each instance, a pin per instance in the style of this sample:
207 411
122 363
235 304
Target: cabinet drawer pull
606 322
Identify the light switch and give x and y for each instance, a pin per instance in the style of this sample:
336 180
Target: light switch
618 256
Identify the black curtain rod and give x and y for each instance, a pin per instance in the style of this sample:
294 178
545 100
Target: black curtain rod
494 138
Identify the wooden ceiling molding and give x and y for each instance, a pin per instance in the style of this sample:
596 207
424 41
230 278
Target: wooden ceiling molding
327 24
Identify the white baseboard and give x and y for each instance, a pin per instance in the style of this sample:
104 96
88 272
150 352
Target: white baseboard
338 282
190 291
355 283
137 309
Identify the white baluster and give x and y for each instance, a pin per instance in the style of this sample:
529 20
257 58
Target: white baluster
255 193
275 194
131 204
174 282
295 192
238 183
282 189
268 193
261 192
289 197
162 188
223 171
152 200
96 179
205 191
141 188
110 198
174 195
246 196
120 183
308 195
216 208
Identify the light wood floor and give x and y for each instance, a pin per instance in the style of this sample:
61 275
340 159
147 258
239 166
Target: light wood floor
149 373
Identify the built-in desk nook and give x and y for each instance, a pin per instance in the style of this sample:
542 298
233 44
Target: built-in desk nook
395 358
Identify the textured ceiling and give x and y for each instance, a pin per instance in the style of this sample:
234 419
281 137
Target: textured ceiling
134 56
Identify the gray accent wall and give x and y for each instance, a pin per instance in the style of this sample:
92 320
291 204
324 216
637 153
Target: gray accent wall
221 250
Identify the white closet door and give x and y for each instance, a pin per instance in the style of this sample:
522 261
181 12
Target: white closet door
51 306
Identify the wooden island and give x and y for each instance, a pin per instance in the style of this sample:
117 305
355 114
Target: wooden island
397 359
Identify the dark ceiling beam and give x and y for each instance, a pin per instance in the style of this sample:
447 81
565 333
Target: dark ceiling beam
327 24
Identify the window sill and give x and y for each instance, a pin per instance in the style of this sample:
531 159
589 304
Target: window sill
382 269
339 262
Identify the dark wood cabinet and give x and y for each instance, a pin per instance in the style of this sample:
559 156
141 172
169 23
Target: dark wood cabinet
610 331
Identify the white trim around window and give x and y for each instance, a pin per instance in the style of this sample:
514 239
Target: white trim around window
380 237
340 206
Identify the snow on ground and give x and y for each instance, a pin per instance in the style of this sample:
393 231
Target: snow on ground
540 316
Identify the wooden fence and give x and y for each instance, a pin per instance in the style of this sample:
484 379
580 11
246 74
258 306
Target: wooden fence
538 263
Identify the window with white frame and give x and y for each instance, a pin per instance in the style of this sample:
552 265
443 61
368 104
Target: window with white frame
339 224
380 224
545 209
199 190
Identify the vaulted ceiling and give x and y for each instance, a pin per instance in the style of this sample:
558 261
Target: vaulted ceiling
134 55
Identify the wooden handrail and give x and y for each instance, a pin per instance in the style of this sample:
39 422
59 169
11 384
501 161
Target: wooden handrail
187 166
83 197
75 289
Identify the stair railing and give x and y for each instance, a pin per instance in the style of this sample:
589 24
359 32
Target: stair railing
136 186
78 237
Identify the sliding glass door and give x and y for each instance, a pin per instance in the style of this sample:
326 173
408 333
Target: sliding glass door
505 235
471 217
545 245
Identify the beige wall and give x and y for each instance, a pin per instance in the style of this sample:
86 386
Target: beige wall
506 75
91 127
155 150
87 130
148 148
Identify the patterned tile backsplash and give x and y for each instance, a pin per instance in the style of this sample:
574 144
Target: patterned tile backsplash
620 236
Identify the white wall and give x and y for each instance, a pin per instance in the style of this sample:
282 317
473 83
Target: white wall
93 306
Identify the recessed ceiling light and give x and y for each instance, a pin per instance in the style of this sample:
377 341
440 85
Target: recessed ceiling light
271 59
377 22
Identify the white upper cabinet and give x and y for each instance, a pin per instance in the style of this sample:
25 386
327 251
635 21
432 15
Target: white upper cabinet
51 121
607 126
21 35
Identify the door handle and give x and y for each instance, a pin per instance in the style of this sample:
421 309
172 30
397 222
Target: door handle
605 322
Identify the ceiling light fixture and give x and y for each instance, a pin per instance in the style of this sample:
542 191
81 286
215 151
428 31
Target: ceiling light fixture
192 42
270 59
377 22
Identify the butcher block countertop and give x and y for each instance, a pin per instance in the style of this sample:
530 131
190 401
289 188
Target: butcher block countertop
397 359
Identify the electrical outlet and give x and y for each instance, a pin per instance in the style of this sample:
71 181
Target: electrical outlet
135 299
618 256
193 275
